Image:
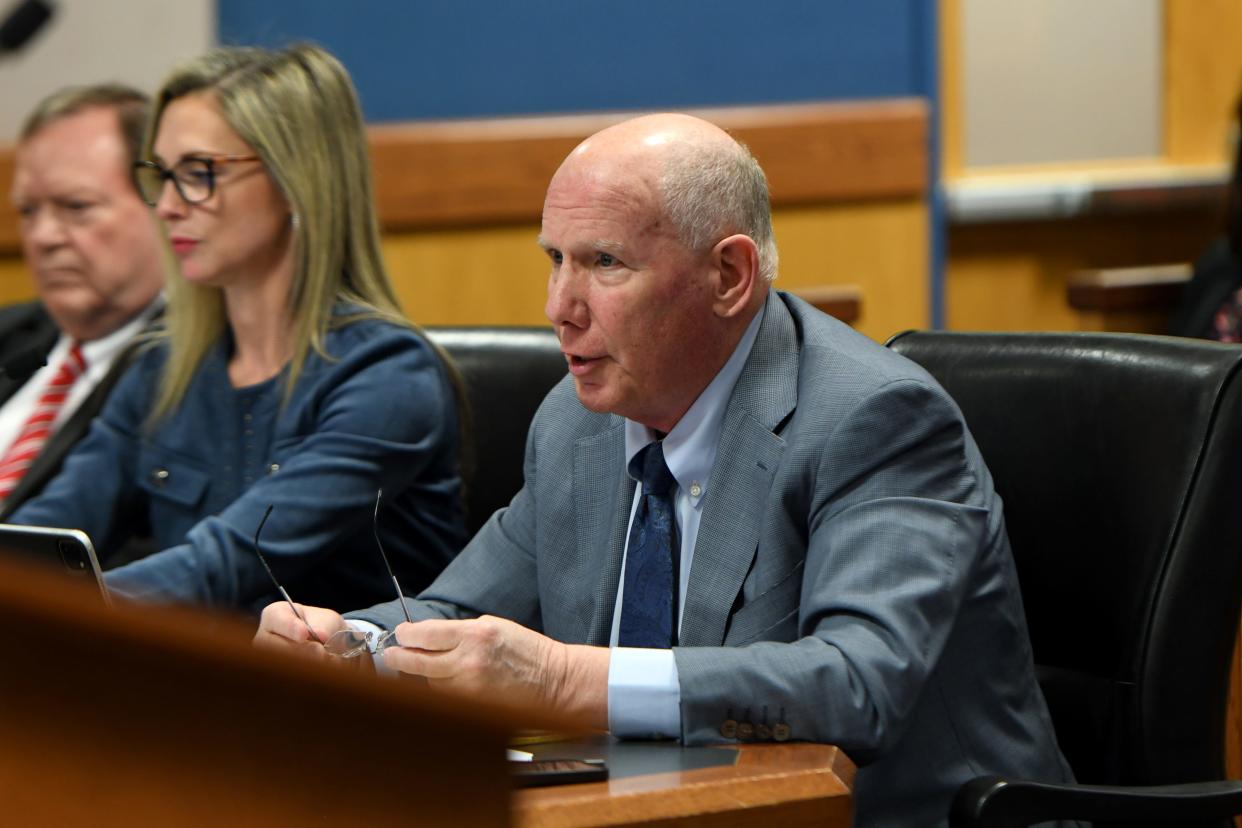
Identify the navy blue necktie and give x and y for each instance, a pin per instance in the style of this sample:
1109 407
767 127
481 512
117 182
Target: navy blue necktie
649 601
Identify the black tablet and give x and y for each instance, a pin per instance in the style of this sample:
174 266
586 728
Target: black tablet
540 772
70 550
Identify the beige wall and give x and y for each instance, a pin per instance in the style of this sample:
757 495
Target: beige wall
1060 80
89 41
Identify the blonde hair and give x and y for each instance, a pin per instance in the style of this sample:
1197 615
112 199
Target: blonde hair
297 109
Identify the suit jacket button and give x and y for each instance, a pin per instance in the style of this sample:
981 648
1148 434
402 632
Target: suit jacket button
746 731
159 477
728 729
763 733
781 732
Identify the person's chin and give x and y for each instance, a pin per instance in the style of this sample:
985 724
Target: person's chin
594 396
196 274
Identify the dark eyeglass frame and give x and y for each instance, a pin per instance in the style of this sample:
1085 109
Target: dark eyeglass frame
354 643
167 174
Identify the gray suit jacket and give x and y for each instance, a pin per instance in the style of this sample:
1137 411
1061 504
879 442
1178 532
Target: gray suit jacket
851 578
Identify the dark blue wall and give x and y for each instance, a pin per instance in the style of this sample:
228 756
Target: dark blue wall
415 59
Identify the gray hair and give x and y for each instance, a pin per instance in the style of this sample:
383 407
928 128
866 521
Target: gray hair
711 192
131 107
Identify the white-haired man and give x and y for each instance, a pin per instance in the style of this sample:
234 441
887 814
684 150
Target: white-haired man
740 519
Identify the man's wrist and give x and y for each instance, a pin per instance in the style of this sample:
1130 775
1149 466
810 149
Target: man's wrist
582 689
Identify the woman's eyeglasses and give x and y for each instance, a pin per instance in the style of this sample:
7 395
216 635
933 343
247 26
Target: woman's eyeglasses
348 643
194 177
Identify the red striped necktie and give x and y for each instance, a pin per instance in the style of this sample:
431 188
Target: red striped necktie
38 427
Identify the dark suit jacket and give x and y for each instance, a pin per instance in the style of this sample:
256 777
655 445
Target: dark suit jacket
1217 274
27 327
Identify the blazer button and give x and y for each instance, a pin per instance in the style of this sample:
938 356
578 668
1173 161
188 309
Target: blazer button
763 733
781 732
159 477
273 468
728 729
745 731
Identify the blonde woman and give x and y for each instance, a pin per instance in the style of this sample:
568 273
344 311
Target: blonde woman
286 377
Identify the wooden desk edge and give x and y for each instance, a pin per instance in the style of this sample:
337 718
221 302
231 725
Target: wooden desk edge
800 781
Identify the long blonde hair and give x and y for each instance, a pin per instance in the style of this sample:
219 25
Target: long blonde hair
297 108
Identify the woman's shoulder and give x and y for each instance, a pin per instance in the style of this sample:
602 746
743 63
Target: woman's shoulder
359 337
355 327
147 355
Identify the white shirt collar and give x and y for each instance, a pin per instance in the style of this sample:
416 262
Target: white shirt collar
690 448
101 351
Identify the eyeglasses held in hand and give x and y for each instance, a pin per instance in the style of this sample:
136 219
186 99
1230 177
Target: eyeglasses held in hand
353 643
272 575
194 177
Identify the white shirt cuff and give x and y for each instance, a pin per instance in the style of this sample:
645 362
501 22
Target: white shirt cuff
381 666
644 695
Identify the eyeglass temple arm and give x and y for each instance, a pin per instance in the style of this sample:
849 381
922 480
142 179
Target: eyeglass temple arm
379 495
272 575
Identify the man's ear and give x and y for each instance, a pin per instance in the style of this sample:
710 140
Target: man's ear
736 263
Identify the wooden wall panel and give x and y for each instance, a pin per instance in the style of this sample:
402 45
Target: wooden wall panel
880 248
498 276
460 204
952 127
473 173
1014 276
15 283
1203 75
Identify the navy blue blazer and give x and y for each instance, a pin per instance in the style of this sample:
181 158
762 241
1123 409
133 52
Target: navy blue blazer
380 412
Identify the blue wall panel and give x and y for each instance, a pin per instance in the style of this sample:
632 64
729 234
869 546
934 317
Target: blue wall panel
419 59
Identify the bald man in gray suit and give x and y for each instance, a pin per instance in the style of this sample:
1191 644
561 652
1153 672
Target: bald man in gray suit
839 566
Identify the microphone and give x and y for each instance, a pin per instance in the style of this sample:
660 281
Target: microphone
22 366
22 22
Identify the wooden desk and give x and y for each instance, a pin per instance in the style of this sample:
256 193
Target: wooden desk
142 715
768 784
147 716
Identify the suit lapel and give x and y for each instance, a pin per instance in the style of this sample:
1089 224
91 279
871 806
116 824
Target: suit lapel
603 496
746 461
37 332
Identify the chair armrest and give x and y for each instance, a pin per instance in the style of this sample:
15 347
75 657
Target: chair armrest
997 802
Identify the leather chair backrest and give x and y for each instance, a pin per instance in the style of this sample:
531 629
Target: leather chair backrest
1119 461
507 372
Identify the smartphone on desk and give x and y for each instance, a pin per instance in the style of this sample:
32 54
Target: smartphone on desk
540 772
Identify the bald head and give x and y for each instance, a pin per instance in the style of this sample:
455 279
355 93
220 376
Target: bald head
707 184
651 227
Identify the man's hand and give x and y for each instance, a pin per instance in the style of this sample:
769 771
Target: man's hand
502 661
280 629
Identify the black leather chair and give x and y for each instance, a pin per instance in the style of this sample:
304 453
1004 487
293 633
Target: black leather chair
1119 461
507 371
